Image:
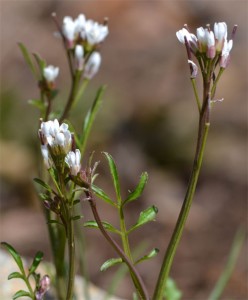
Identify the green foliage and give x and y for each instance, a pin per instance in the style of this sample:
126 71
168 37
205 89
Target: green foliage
110 263
114 174
22 274
28 60
43 184
145 216
150 255
171 290
90 118
101 194
106 225
139 189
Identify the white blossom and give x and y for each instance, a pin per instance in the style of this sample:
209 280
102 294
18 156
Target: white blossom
94 32
68 30
46 157
56 135
73 161
210 44
79 57
225 54
92 65
50 73
220 32
79 24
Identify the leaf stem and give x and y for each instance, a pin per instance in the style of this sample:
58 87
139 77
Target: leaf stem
141 287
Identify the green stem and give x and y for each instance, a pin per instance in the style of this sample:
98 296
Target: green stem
73 92
231 261
196 94
71 250
178 230
134 273
216 81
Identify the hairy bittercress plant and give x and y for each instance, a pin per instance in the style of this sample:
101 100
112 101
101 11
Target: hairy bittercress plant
65 182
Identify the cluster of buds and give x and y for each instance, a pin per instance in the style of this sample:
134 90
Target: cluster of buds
57 146
83 38
56 142
207 44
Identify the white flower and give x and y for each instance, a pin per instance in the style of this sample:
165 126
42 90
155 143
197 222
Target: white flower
225 54
191 38
94 32
220 32
68 29
73 161
210 44
79 24
56 135
46 157
50 73
92 65
79 57
194 67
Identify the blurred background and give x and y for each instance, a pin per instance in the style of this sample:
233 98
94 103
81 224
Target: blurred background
148 123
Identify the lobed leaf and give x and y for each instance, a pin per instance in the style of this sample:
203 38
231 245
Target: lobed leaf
145 216
37 259
139 189
110 263
114 173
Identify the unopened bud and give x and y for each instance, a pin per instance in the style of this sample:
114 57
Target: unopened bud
50 73
92 65
79 57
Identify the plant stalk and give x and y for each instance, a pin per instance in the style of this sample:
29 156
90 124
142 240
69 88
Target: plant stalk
203 129
138 280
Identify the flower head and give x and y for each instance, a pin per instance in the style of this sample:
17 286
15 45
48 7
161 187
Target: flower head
94 33
58 137
50 73
73 161
92 65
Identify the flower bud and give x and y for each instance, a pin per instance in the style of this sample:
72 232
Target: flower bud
73 161
92 65
50 73
210 44
225 54
68 30
43 288
220 32
79 57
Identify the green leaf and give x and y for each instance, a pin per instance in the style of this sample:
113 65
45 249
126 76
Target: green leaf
21 293
37 259
151 254
43 184
28 59
76 201
110 262
15 255
54 222
101 194
114 173
145 216
90 117
15 275
37 103
106 225
139 189
41 63
171 290
75 218
44 196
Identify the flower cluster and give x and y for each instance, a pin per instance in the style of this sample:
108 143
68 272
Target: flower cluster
56 142
209 44
82 37
83 31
